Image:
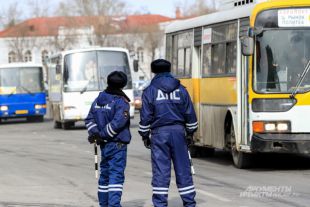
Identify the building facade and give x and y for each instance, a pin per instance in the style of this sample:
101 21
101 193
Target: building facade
35 40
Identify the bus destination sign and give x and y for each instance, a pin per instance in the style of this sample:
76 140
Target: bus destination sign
294 18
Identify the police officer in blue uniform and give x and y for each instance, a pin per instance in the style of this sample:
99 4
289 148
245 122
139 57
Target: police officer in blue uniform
168 122
108 124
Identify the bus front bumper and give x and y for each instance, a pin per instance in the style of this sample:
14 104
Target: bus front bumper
281 143
24 113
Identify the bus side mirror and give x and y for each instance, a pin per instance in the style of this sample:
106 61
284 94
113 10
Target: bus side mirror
247 44
58 69
136 65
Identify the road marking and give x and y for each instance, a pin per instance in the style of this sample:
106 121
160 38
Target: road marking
212 195
217 197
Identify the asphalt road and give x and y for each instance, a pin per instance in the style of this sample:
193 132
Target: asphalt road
42 166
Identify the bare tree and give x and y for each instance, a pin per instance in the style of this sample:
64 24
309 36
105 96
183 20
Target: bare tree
10 16
21 42
99 7
199 7
101 15
64 39
63 9
39 8
153 37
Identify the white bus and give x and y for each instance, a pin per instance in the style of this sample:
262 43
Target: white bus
77 76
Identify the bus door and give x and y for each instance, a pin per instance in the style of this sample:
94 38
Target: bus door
196 74
242 134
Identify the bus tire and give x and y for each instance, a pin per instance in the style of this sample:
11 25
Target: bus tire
39 118
35 118
241 160
207 151
194 151
31 119
57 125
67 125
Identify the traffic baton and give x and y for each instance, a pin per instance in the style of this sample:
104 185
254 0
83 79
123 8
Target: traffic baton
191 161
96 160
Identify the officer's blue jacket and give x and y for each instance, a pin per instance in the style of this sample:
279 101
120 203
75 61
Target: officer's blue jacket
109 116
166 102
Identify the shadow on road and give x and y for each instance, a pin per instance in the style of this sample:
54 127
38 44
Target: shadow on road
12 121
270 162
266 161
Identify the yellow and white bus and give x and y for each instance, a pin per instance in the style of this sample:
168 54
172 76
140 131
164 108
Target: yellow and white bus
247 70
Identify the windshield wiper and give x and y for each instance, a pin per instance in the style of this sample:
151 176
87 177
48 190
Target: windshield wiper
27 90
10 94
301 79
85 88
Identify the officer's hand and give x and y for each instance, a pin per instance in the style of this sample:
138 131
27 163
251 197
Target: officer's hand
189 140
91 139
95 138
147 142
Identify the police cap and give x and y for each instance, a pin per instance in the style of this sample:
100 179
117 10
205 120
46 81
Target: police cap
117 79
160 66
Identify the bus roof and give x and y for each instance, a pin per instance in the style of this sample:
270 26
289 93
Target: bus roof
21 65
66 52
209 19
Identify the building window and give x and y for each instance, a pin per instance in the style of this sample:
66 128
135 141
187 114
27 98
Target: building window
28 56
12 57
44 56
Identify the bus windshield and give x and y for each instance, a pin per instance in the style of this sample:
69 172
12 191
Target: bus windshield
281 57
88 71
21 80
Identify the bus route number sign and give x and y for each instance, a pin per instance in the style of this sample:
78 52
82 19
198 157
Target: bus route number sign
294 18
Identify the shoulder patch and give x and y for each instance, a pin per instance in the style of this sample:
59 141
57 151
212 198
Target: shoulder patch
126 114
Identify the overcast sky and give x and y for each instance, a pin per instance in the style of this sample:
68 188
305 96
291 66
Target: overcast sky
164 7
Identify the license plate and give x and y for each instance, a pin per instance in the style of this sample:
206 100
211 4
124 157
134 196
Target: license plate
21 112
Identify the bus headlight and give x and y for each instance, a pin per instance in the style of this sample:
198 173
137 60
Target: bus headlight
4 108
283 127
272 105
39 106
271 126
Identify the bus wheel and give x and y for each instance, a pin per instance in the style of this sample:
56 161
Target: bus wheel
57 125
207 151
241 160
67 125
194 150
39 118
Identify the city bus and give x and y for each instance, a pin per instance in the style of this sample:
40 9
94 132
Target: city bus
77 76
22 93
247 71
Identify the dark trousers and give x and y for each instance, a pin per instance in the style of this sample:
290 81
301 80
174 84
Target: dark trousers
169 144
112 168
